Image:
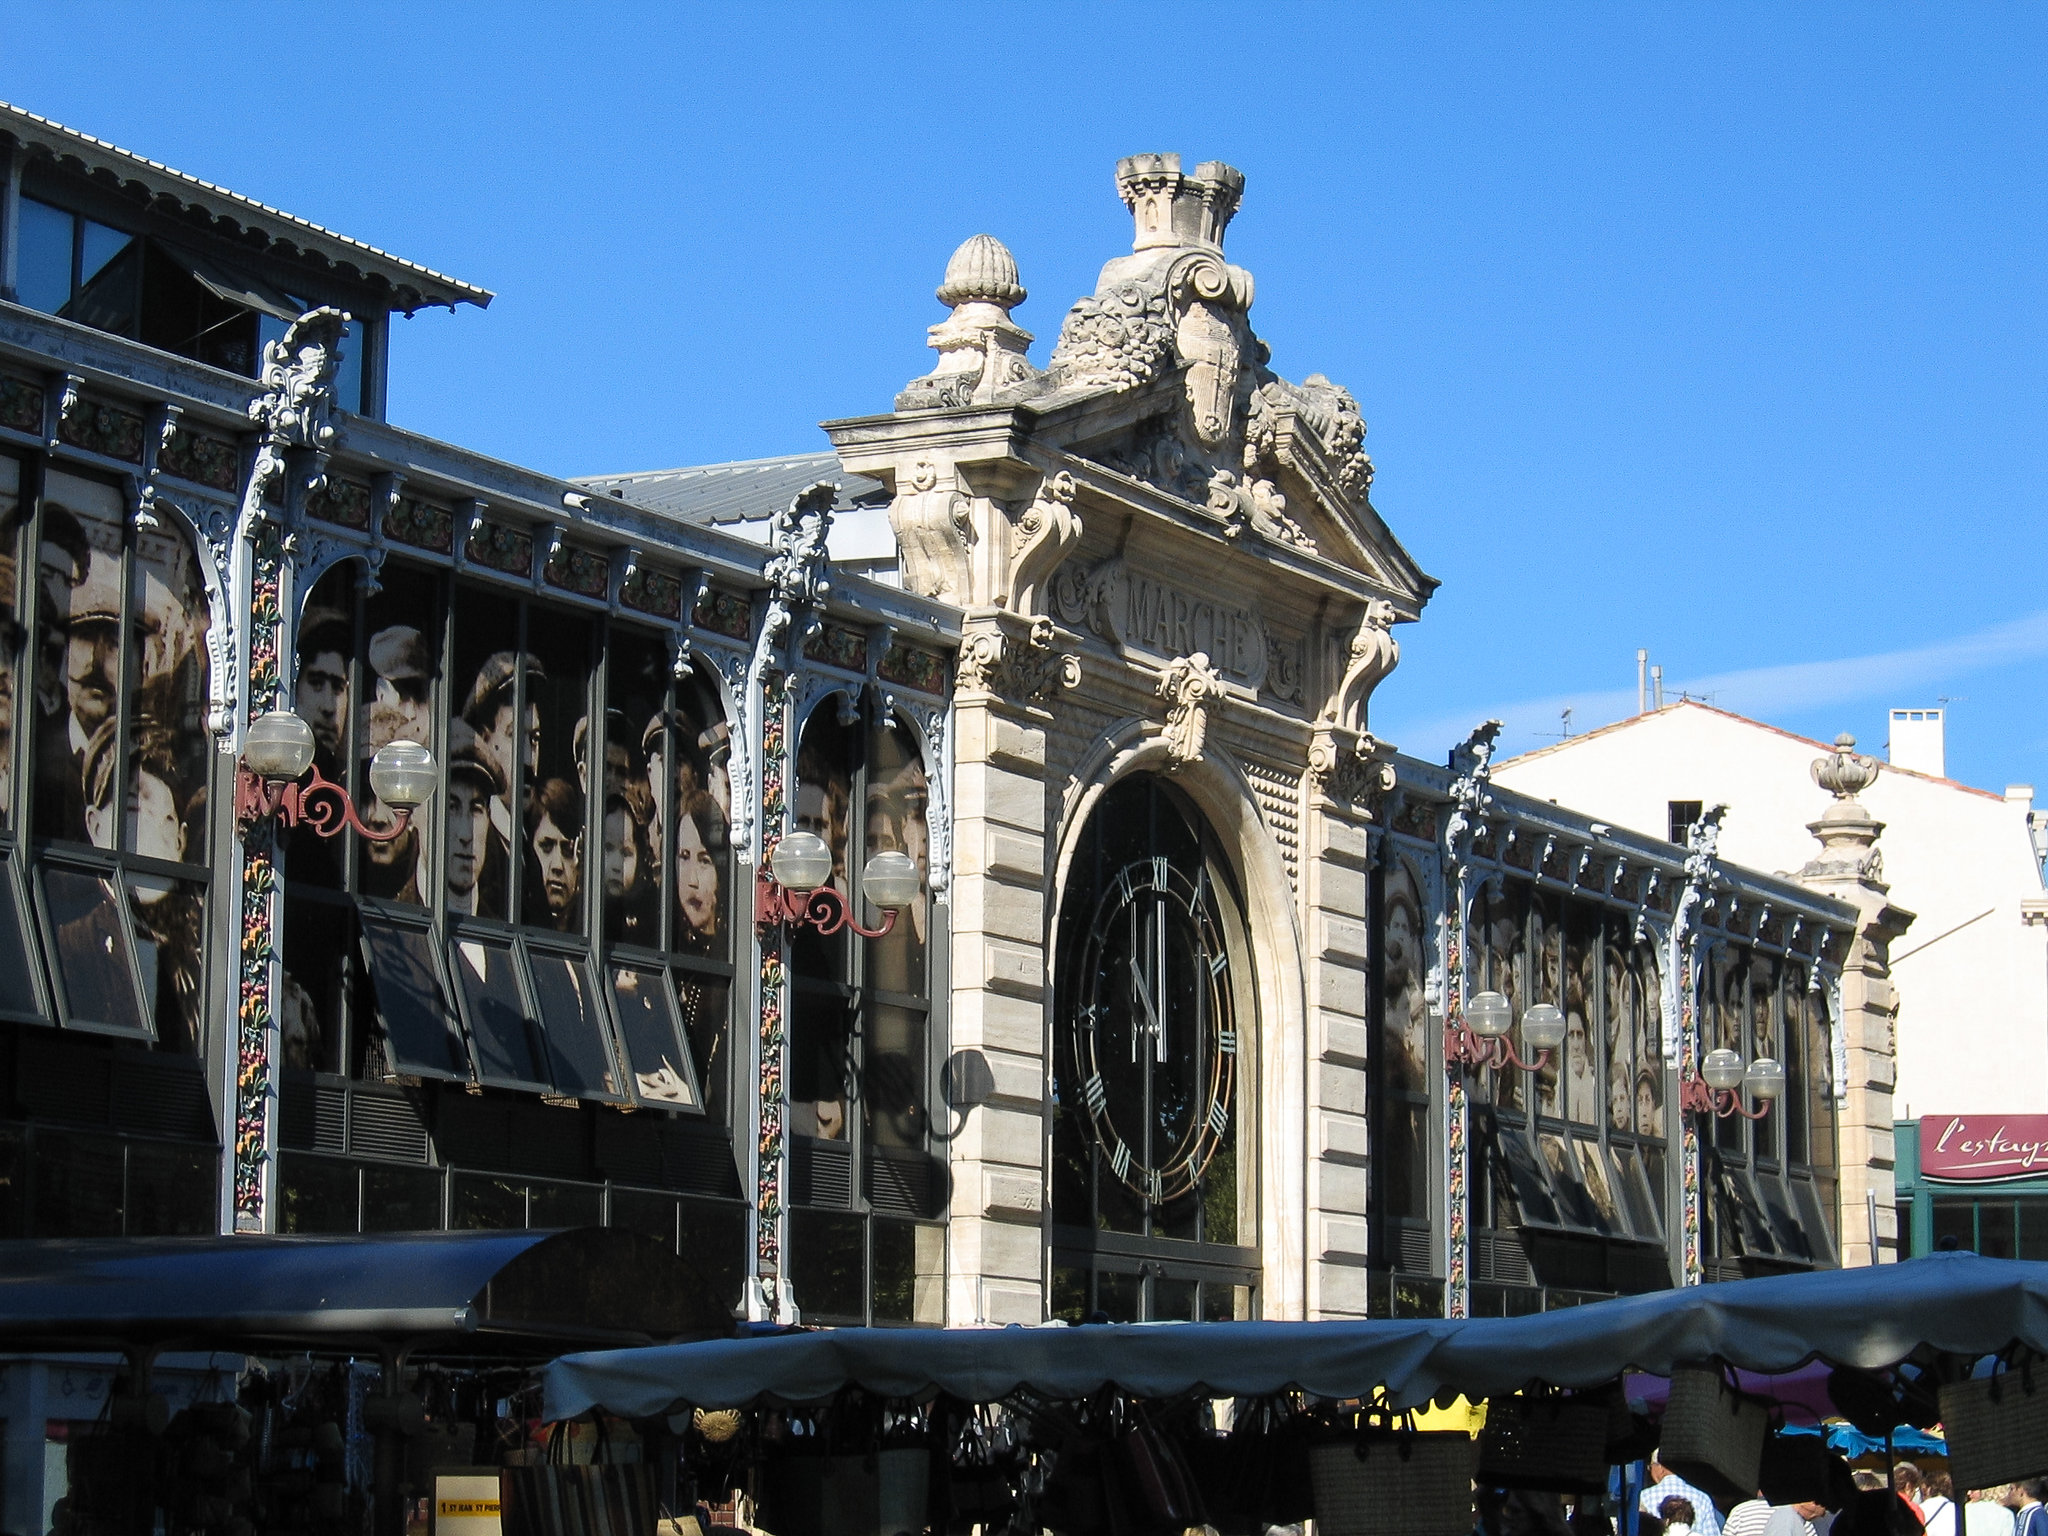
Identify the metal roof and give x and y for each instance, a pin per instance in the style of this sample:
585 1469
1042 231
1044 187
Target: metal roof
412 285
585 1285
744 491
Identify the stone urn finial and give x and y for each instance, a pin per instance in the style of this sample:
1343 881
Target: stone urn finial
981 349
1842 773
982 271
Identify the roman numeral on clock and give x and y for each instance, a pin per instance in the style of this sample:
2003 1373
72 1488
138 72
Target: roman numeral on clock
1219 1116
1120 1161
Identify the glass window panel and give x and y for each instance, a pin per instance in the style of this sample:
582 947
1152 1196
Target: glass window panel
1582 1073
401 1199
1786 1229
1407 1159
43 278
895 1277
170 935
98 245
1618 1031
420 1034
1599 1182
480 1203
488 747
13 1182
639 741
1653 1172
1955 1221
1742 1210
109 299
1507 942
828 1262
318 939
1820 1079
821 1065
401 660
703 867
698 792
10 631
94 957
2032 1239
894 1077
573 1022
1118 1296
1995 1229
1646 999
173 1191
1220 1194
80 534
705 1004
322 689
1526 1176
645 1211
564 1205
713 1240
1069 1293
317 1194
170 748
20 997
78 1186
1574 1201
498 1023
348 374
558 704
1225 1303
1632 1186
897 797
1405 967
664 1077
1173 1300
1545 943
821 804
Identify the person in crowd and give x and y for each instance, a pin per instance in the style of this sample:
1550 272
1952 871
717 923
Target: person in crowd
1988 1511
320 697
2030 1507
1795 1519
1666 1483
472 781
1677 1514
402 673
700 865
1939 1512
1910 1485
554 830
92 658
630 917
1749 1518
500 742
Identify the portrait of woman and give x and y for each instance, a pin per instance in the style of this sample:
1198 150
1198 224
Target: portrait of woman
700 874
1619 1028
554 831
631 900
1405 1017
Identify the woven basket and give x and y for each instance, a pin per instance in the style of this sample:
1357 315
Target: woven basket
1394 1484
1713 1436
1553 1443
1997 1427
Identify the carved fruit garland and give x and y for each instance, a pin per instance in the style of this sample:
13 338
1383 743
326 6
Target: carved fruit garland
254 1010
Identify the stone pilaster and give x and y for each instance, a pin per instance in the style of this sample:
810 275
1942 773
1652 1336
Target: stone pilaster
1336 852
1001 880
1850 869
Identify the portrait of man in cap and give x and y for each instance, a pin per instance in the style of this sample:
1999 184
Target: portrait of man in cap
402 675
490 713
86 632
320 696
472 783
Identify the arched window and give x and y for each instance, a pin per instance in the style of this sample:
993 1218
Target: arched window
866 1188
1153 1183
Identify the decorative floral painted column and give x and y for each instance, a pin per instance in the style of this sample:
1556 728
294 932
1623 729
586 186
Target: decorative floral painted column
1681 1026
774 1041
1471 768
294 435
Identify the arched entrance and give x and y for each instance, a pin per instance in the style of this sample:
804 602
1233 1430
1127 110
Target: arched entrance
1154 1208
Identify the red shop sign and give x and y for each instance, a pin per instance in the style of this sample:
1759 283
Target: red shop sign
1980 1147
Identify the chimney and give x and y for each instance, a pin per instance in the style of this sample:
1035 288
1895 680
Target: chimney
1916 742
1176 210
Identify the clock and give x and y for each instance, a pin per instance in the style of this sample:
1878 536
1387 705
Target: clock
1152 1037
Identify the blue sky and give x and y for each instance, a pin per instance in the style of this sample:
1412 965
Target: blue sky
1716 330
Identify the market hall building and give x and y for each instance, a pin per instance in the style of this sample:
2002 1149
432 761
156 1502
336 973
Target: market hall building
1172 1014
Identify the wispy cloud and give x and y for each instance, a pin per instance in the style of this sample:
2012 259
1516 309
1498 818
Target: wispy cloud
1761 692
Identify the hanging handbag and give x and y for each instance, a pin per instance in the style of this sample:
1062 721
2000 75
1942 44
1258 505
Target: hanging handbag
1545 1441
1997 1426
1387 1481
600 1497
1159 1474
1713 1434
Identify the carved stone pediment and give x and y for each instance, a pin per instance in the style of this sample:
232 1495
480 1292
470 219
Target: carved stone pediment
1140 612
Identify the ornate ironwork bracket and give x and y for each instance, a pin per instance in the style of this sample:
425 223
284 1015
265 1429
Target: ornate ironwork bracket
320 804
775 905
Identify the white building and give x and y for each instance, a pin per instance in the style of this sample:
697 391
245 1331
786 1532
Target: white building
1972 974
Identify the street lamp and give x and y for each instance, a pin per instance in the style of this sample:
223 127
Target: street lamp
794 890
1722 1077
278 749
1480 1039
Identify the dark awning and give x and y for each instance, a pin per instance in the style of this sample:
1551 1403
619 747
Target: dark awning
581 1287
234 285
1954 1302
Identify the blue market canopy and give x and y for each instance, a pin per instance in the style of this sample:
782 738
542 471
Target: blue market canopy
1957 1303
581 1287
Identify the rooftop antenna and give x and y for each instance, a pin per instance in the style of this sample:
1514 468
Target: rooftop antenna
1657 686
1567 722
1642 680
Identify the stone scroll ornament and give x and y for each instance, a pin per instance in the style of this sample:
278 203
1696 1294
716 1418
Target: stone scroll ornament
293 417
1191 689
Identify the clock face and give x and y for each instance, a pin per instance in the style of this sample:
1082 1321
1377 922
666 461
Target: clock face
1152 1037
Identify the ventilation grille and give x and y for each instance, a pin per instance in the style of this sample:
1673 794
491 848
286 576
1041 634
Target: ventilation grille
390 1126
1500 1256
66 1082
900 1186
1413 1250
821 1173
700 1162
163 1096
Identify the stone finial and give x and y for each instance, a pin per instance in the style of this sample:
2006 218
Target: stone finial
981 349
1842 773
982 271
1176 210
